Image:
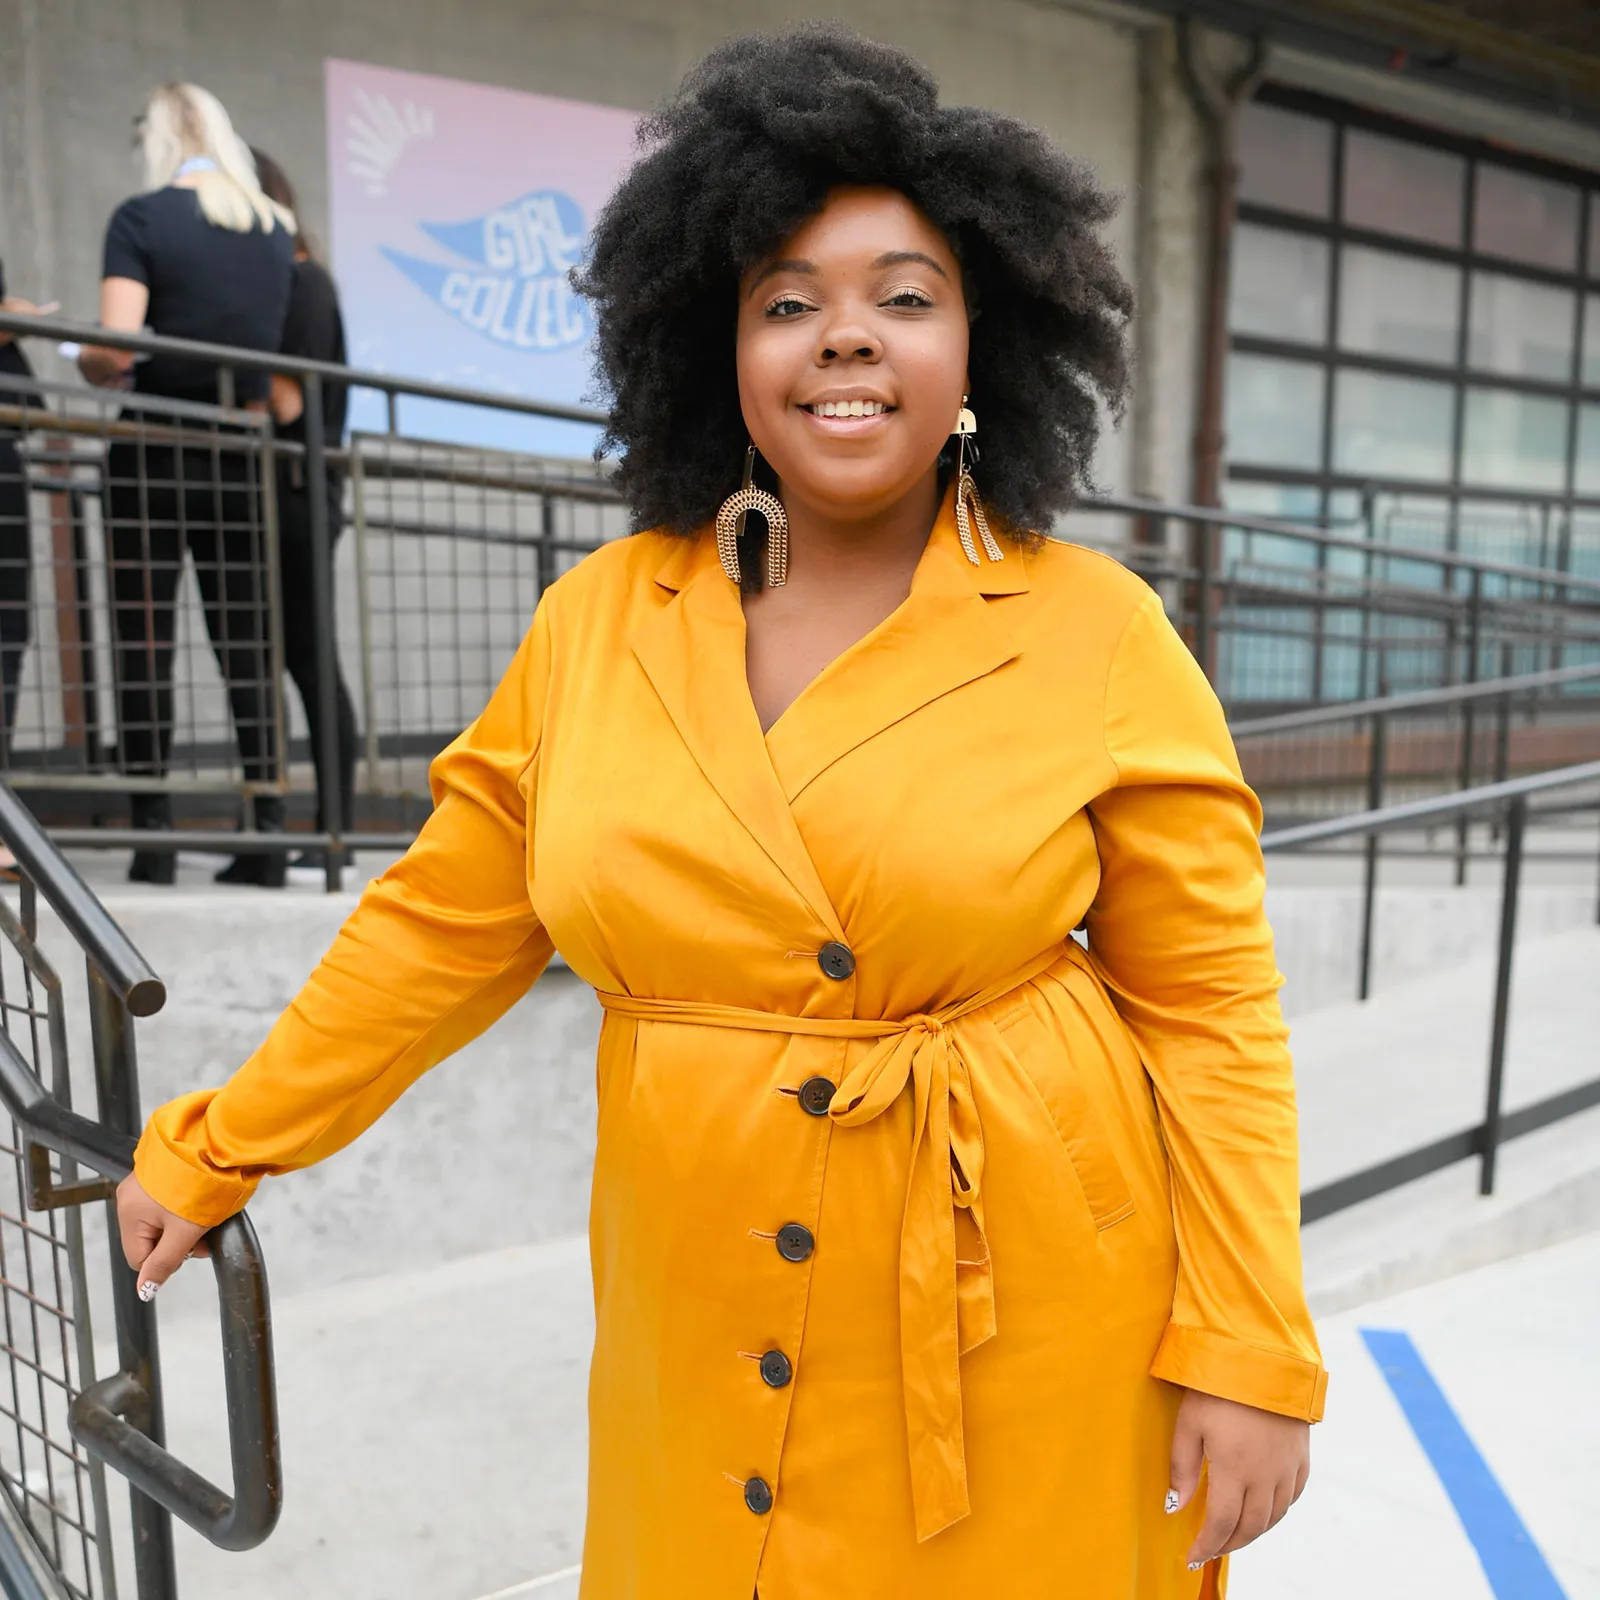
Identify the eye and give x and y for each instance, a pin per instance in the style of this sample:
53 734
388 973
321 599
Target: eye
909 298
786 306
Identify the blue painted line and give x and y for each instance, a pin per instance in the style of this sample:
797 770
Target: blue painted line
1510 1559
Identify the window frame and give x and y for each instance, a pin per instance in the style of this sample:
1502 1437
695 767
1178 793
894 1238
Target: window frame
1583 282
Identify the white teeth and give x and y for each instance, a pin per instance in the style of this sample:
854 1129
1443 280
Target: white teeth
858 408
850 408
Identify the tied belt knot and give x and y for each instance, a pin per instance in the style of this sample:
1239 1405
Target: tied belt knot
946 1275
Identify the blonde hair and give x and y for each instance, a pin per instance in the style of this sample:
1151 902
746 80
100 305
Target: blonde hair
181 121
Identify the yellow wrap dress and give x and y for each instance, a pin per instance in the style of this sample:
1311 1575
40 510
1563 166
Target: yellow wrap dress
910 1212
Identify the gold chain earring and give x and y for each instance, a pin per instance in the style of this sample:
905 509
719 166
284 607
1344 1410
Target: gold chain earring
730 524
969 508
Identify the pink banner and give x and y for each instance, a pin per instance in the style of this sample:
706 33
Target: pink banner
457 211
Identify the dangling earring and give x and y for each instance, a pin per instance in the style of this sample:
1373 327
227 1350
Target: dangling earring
730 524
969 508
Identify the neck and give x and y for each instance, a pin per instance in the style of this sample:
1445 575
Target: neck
827 548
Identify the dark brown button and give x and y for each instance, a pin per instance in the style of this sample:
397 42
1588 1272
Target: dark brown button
816 1095
835 960
795 1241
758 1496
775 1369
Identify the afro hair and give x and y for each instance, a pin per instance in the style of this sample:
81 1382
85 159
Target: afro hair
745 152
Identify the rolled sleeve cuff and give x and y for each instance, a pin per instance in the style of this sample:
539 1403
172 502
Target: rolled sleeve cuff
174 1179
1216 1363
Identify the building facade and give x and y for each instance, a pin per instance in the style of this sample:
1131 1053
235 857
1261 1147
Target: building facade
1413 312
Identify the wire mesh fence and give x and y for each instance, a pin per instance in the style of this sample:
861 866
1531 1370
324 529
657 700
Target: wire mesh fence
58 1491
139 613
452 547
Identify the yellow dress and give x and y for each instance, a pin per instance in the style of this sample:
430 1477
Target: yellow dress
910 1213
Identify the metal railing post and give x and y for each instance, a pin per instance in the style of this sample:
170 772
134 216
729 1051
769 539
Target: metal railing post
334 821
1474 636
546 557
1516 824
138 1350
1502 736
1377 760
1204 645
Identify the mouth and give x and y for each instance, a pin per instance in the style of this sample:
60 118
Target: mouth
848 416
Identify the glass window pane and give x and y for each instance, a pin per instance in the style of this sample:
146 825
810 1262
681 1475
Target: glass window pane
1274 411
1402 187
1520 328
1594 235
1394 427
1280 285
1285 159
1281 502
1588 475
1526 218
1591 341
1586 544
1397 305
1514 441
1494 531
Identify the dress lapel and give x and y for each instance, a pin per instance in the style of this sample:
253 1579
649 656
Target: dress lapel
945 634
692 648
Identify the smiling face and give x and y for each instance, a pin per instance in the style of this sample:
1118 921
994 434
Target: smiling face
852 354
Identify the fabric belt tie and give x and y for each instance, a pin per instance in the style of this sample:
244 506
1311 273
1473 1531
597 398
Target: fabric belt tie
946 1276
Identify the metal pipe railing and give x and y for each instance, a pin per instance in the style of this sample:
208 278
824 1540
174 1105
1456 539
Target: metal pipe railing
1389 705
1510 799
118 1418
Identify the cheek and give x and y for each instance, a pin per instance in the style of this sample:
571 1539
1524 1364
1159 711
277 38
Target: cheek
932 373
764 367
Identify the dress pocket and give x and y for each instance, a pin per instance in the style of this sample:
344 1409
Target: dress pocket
1044 1063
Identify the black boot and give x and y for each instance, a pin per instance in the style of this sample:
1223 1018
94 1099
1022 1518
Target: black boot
152 811
263 869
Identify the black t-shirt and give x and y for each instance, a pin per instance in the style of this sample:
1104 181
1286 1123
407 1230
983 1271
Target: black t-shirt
315 329
14 363
205 282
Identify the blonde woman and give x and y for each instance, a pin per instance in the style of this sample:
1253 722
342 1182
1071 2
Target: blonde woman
201 254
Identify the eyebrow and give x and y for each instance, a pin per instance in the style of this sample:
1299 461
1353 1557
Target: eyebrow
808 269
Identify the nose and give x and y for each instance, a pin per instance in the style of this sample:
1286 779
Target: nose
847 337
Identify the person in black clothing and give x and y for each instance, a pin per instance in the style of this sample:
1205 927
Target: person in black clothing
16 543
315 329
202 255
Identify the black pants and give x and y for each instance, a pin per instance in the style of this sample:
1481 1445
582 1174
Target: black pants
16 570
161 502
299 576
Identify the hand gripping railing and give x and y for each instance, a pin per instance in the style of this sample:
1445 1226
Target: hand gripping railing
117 1418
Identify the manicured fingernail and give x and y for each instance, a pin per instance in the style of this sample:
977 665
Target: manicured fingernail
147 1290
1172 1501
1195 1566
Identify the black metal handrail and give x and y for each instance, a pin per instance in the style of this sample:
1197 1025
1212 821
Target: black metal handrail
1509 799
234 356
1212 518
118 1418
1388 705
132 979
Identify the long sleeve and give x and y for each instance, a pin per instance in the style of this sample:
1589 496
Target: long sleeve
439 947
1179 935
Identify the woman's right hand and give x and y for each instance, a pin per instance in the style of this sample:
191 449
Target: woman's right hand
156 1241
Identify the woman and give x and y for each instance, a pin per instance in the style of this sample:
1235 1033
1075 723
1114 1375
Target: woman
315 329
16 540
933 1254
203 254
